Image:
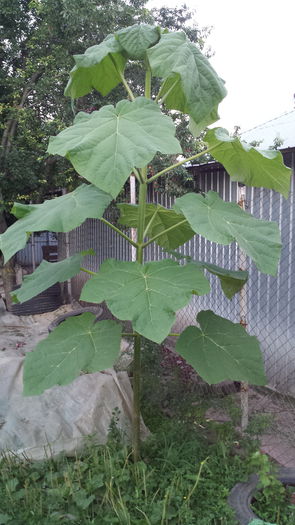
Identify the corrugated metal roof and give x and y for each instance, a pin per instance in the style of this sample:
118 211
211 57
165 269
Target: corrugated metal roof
282 127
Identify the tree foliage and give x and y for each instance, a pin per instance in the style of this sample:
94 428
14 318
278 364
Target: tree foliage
38 39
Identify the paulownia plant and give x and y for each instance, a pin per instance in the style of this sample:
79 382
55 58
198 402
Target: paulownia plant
106 147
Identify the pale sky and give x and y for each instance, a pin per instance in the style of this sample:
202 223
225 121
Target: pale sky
254 45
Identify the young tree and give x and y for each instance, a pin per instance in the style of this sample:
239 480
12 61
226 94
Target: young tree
105 147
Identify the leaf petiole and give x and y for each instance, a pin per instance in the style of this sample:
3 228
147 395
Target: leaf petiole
162 99
150 223
183 161
148 82
163 233
138 175
119 232
124 81
87 271
126 86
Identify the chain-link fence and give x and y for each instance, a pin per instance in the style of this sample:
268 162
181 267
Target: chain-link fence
266 306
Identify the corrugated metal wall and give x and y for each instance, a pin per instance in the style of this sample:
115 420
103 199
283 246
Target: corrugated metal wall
270 300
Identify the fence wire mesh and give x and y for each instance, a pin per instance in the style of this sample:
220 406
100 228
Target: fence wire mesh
266 305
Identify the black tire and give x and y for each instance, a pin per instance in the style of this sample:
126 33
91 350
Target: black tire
97 310
242 494
46 301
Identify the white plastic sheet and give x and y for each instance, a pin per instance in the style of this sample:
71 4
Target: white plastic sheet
61 418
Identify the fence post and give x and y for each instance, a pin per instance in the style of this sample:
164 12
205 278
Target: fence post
243 307
33 247
67 246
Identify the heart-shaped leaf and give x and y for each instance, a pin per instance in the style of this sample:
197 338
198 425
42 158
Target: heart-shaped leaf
76 345
148 295
136 39
106 145
225 222
159 220
48 274
190 83
221 350
61 214
247 164
100 67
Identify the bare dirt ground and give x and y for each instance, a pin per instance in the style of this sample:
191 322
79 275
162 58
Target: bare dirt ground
277 440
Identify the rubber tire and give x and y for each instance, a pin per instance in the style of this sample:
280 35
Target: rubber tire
97 310
242 494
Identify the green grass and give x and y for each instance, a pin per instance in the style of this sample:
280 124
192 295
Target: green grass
187 469
180 480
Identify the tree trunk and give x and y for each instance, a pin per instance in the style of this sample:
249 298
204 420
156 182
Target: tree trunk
7 270
11 123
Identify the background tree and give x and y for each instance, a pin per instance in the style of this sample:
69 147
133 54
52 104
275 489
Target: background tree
38 39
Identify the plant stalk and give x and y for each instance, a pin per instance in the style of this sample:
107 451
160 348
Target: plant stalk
136 399
137 341
139 258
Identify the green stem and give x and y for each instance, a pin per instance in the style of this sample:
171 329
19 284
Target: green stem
87 271
125 84
137 342
124 81
119 232
163 233
197 479
129 334
160 91
148 82
136 398
162 99
141 218
150 223
138 175
173 166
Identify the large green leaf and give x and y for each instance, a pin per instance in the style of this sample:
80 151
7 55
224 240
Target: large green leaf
221 350
76 345
100 67
136 39
225 222
160 219
190 83
106 145
148 295
249 165
232 281
61 214
48 274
